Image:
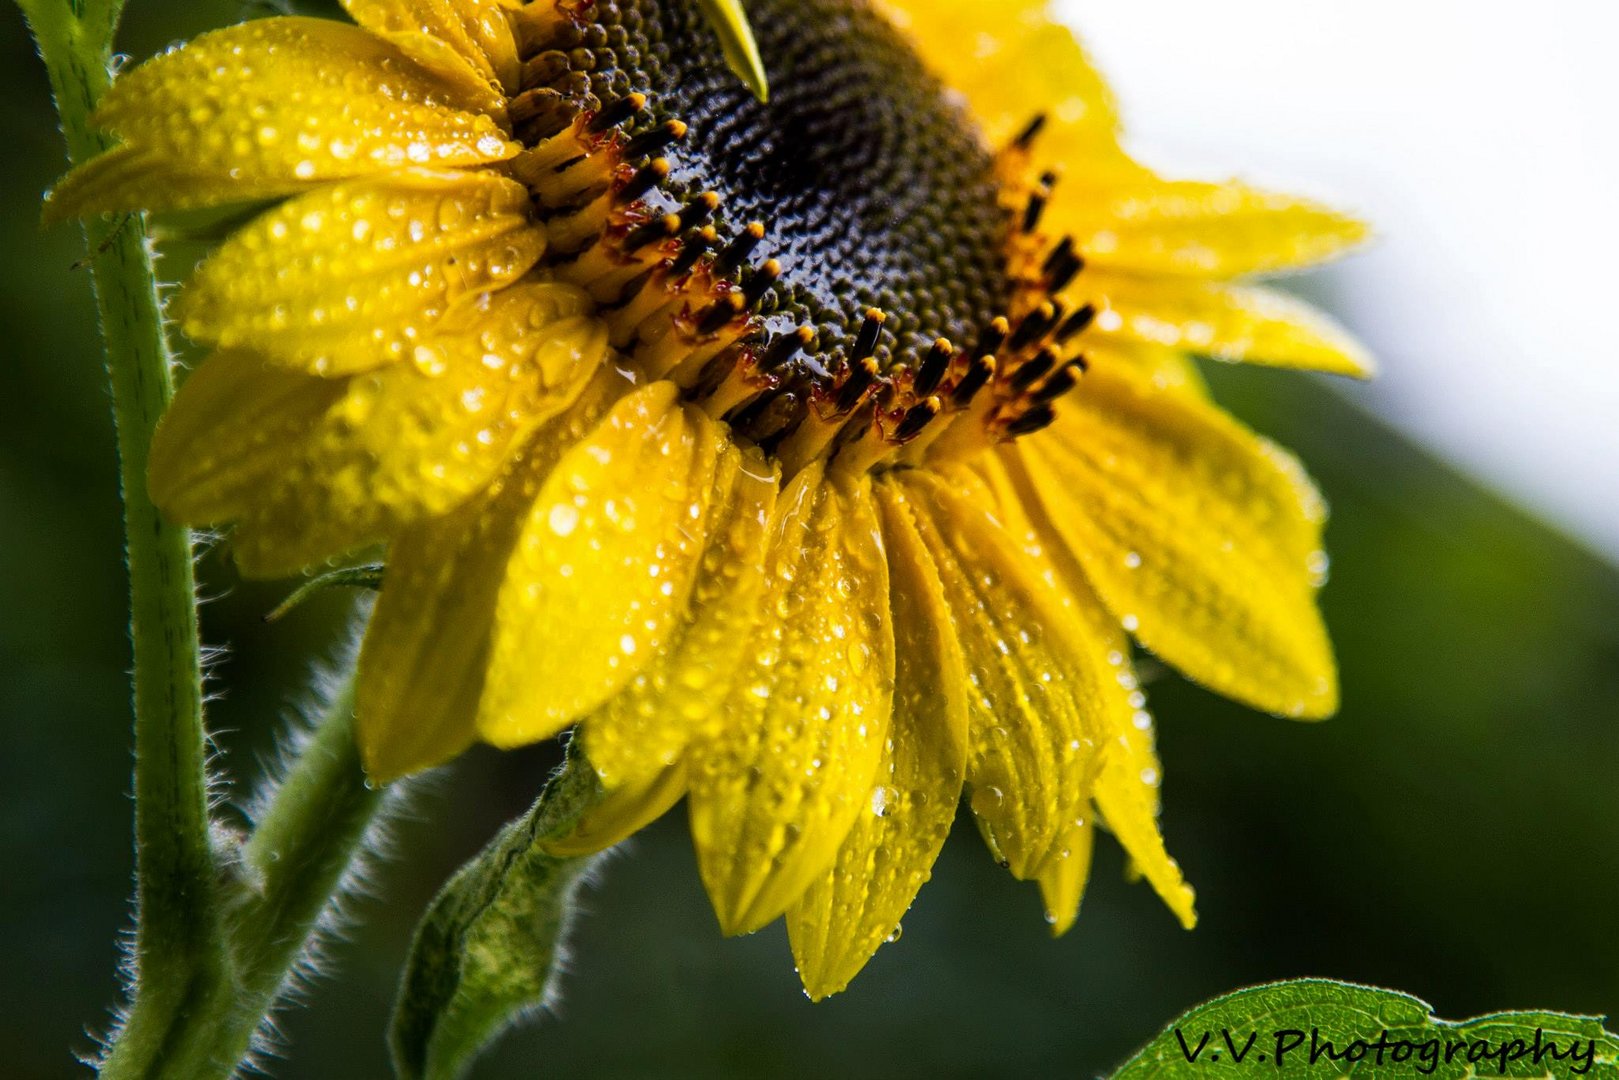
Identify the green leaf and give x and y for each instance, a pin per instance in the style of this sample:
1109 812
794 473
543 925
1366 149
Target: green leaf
353 577
487 950
730 22
1349 1030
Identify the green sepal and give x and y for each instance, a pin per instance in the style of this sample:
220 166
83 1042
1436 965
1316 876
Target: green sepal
353 577
1358 1030
486 952
730 22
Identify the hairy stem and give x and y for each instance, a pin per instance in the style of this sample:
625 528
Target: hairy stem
301 850
292 867
180 959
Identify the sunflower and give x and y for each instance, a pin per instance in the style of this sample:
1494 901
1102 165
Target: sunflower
816 459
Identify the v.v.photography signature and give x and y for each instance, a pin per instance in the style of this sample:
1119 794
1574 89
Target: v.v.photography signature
1295 1047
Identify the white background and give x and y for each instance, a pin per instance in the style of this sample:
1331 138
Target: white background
1480 139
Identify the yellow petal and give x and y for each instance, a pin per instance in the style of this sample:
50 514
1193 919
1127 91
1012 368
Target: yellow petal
1156 365
1127 781
1197 229
479 31
678 698
622 812
1012 60
1038 692
313 468
225 436
600 581
450 67
1200 536
353 276
1227 322
1063 881
427 645
775 793
270 108
889 854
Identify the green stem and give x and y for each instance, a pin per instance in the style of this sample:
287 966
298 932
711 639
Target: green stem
212 953
291 868
179 936
300 851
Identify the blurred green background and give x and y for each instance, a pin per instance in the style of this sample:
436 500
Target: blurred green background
1454 833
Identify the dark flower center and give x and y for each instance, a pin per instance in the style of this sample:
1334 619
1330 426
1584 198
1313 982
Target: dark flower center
872 186
841 267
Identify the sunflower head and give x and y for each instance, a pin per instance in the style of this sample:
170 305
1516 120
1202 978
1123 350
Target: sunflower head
818 458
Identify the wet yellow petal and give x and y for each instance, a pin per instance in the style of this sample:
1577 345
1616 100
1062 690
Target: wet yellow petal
1159 366
1127 781
1127 796
889 854
427 645
353 276
313 467
612 549
1013 60
270 108
775 793
622 812
1037 691
1200 536
225 436
447 64
1227 322
678 698
1197 229
1063 881
479 31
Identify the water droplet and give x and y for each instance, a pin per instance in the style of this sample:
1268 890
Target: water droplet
882 800
894 935
563 519
1132 560
987 800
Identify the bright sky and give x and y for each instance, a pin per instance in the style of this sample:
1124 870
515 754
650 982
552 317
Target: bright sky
1480 138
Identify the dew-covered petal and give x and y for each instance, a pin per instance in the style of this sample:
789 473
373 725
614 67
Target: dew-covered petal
1013 60
599 583
1036 690
354 276
1063 881
270 108
623 811
1198 229
1228 322
678 698
426 650
1126 785
775 793
479 31
313 468
225 435
856 906
1203 539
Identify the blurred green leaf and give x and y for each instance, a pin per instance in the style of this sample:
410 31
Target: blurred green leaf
730 22
1318 1027
486 952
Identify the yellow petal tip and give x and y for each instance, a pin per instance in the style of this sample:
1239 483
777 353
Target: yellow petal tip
741 50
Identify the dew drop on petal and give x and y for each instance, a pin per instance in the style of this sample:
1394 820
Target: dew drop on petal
563 519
